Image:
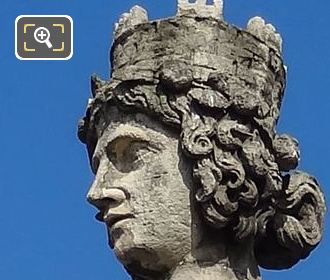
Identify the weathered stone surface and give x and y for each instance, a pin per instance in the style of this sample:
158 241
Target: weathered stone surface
192 179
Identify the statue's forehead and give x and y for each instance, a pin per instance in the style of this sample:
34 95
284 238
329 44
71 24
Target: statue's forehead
115 121
136 126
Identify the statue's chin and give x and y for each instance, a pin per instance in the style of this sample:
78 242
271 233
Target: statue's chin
138 256
138 250
144 261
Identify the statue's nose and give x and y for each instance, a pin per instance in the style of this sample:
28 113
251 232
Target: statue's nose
95 194
102 197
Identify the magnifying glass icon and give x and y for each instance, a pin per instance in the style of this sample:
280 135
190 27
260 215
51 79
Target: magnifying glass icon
42 35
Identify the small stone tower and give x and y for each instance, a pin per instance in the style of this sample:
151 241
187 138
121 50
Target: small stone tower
202 8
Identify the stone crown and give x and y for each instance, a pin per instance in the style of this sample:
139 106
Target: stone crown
204 47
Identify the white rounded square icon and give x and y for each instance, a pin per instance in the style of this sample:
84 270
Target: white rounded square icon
44 37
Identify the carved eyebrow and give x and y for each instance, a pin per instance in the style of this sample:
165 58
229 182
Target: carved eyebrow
127 135
135 134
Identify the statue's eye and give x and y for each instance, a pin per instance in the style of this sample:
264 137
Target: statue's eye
136 153
128 155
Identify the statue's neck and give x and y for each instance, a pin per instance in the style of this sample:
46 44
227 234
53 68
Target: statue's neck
218 271
215 262
221 261
213 256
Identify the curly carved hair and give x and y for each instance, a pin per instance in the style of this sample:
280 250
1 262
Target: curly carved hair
241 168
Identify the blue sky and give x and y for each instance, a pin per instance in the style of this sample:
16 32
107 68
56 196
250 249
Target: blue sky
47 229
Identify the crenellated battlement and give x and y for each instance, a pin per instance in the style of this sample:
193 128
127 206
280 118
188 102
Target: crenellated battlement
201 8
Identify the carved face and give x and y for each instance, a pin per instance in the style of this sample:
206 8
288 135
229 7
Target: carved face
142 189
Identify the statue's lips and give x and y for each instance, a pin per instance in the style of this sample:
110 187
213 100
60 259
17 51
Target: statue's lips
111 218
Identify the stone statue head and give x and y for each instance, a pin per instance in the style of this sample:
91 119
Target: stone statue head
188 165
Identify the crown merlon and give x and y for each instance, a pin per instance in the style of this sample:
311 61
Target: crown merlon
201 8
265 32
137 15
